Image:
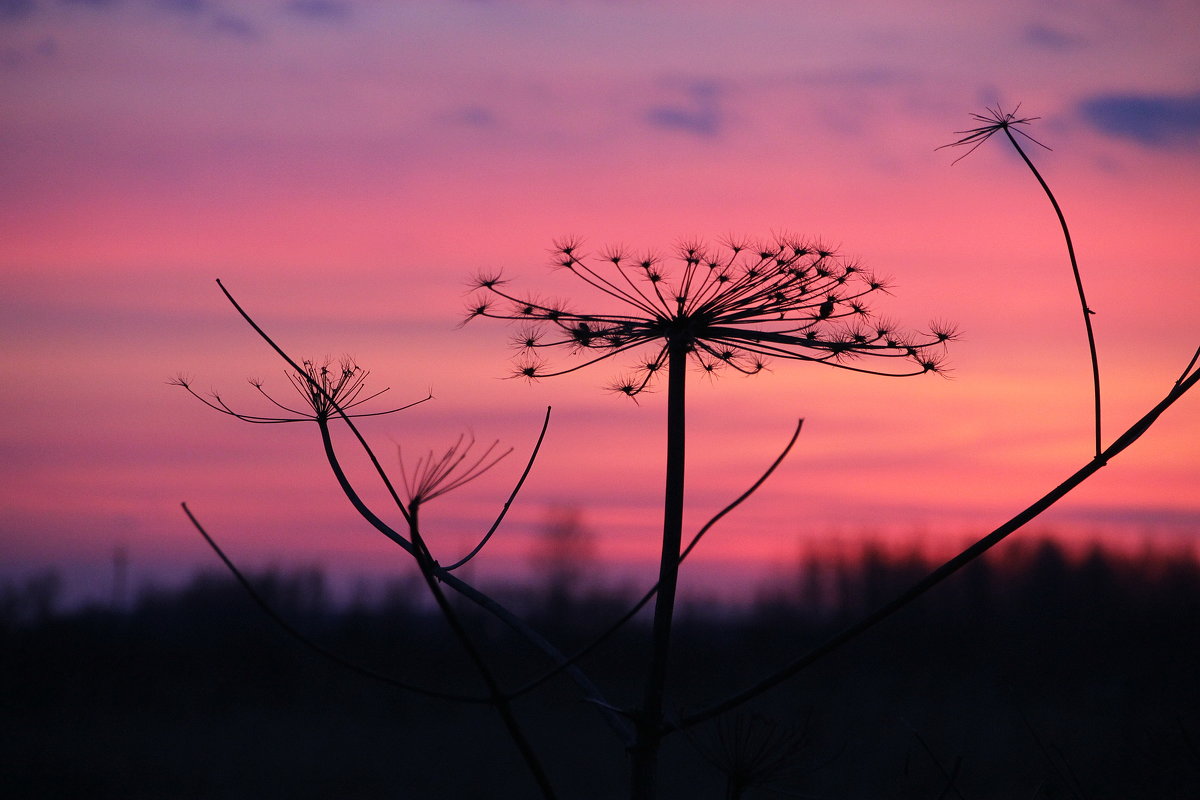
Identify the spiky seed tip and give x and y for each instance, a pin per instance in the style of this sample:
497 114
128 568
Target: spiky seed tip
567 246
629 387
527 339
529 371
943 331
615 254
487 280
931 363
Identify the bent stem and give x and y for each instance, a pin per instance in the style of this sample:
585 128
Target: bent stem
467 590
649 724
499 699
1087 312
650 593
1186 381
324 652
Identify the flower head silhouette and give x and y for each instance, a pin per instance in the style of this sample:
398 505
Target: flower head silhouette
326 387
733 305
994 121
434 475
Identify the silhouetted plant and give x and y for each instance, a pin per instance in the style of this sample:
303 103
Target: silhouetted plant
752 750
729 306
995 120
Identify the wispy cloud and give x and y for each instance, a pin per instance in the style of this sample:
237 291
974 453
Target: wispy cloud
472 116
699 114
322 10
1155 120
1051 38
236 26
15 9
187 6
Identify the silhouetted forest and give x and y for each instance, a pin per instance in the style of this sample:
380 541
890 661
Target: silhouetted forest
1032 674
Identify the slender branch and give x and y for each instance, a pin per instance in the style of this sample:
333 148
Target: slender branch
511 497
287 627
484 601
650 593
947 569
499 699
1087 312
332 403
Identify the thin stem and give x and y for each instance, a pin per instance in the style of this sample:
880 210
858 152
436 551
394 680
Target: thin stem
956 563
309 643
1087 312
334 406
653 590
486 602
649 724
499 699
507 503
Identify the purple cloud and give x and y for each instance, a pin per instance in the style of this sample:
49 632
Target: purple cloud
235 26
1050 38
700 116
1155 120
323 10
15 9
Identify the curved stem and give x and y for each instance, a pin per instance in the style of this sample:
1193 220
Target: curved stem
1135 431
630 613
498 698
309 643
1087 312
589 689
484 601
507 503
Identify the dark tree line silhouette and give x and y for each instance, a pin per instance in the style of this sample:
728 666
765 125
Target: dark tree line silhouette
1035 673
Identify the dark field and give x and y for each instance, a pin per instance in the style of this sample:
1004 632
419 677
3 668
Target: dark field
1029 675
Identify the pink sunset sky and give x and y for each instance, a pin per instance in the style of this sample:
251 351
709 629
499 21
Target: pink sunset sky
345 167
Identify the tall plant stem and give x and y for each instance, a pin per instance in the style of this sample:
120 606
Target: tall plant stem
1087 312
649 724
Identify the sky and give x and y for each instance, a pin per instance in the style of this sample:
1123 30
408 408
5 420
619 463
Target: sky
346 167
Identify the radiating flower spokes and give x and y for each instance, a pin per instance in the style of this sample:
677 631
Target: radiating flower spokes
328 388
434 475
733 305
995 120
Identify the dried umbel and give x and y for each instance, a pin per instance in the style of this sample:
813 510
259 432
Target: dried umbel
434 475
730 305
755 751
328 388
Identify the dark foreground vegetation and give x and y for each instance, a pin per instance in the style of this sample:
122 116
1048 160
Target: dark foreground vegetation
1030 675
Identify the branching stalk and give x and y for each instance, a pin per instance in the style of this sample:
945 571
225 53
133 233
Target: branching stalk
325 652
835 642
996 120
498 698
653 590
484 601
1087 311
